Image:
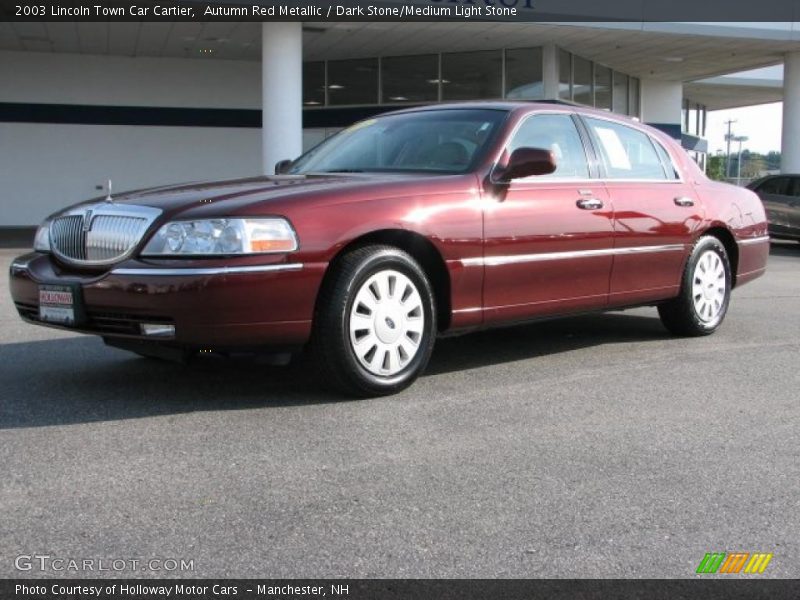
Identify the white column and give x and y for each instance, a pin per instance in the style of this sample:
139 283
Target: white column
281 93
550 73
790 140
662 104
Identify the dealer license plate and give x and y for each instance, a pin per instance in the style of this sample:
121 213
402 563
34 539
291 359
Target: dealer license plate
57 304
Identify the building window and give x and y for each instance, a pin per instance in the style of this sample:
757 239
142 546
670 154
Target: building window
620 95
410 79
694 118
633 105
524 77
353 81
703 119
472 75
314 83
516 73
582 81
564 75
685 116
602 87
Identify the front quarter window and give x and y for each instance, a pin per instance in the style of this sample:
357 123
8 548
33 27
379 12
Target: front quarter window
447 141
558 134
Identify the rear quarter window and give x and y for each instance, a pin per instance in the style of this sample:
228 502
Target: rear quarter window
666 160
627 153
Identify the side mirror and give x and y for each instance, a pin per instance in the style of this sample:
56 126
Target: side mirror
282 167
526 162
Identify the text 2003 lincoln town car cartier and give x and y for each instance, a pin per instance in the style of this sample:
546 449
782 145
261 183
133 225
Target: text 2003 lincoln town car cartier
399 228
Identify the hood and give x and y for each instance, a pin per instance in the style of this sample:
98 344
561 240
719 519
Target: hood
236 195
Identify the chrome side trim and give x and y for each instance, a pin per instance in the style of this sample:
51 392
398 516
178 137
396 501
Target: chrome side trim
759 240
155 272
494 261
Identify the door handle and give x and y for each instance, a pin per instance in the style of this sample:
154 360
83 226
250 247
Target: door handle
684 201
589 203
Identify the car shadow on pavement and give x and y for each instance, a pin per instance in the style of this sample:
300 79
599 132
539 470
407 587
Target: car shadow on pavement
510 344
80 380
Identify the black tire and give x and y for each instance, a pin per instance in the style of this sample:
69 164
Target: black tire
681 315
331 348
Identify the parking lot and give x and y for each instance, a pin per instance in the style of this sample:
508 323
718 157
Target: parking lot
597 446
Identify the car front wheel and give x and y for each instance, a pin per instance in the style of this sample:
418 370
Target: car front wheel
375 324
705 291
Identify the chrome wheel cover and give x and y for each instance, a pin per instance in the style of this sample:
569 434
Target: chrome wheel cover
387 321
709 287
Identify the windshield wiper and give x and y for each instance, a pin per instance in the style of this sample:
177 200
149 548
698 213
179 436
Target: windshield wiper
343 171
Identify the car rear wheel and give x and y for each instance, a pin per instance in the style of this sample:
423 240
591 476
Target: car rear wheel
705 291
375 324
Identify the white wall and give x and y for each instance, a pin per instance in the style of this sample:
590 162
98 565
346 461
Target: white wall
44 167
661 101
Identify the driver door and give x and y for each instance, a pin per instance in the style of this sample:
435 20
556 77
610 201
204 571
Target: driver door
548 239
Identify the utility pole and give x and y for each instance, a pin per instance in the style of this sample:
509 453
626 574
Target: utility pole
740 139
728 138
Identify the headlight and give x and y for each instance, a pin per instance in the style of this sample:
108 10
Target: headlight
41 242
219 237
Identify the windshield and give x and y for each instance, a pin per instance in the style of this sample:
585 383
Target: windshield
437 141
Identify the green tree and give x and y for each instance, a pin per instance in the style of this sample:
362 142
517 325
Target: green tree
716 167
755 165
773 161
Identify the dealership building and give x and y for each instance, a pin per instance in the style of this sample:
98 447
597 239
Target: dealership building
148 103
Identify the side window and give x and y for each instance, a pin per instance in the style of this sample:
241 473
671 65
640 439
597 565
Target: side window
558 134
774 185
626 153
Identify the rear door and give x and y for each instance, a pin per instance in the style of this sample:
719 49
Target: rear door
656 213
548 239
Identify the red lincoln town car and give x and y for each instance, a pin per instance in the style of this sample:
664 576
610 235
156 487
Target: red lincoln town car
414 224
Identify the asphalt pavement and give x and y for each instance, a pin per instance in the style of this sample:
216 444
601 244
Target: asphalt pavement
597 446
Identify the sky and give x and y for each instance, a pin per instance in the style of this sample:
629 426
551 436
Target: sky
762 124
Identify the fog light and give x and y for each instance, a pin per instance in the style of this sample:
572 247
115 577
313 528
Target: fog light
158 329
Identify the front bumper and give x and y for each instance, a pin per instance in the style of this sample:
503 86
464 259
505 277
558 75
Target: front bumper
211 305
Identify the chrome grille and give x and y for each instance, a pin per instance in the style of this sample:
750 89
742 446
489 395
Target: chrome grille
100 234
112 236
68 238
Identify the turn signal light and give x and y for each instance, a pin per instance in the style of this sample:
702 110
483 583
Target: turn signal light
272 245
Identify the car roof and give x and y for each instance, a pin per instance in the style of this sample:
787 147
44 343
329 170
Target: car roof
519 106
